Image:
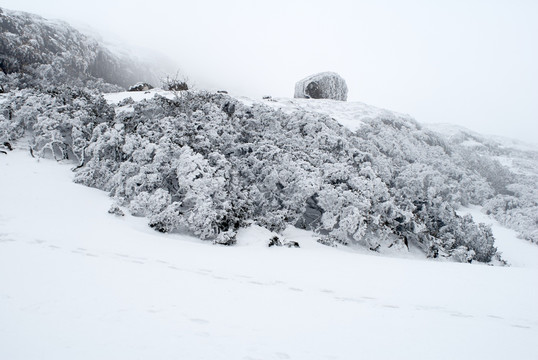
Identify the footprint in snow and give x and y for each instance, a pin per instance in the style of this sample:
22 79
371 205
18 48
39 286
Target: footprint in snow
521 326
243 276
282 355
33 242
425 307
461 315
348 299
219 277
256 283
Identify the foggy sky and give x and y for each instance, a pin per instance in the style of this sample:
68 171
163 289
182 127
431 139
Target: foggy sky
471 63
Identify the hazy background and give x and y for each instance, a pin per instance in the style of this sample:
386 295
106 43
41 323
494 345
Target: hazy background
472 63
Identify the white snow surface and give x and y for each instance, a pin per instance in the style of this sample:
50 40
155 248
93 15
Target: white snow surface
79 283
350 114
453 131
114 98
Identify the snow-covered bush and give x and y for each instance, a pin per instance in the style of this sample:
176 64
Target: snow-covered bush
207 164
59 121
192 164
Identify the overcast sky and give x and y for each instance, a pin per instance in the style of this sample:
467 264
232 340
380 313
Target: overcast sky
471 63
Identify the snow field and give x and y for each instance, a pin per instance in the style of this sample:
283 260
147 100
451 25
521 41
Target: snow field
77 282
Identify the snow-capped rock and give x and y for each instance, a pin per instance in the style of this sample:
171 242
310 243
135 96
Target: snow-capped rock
141 86
325 85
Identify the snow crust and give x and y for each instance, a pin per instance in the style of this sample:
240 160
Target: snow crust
77 282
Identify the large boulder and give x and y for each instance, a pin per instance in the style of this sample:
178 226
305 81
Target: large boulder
325 85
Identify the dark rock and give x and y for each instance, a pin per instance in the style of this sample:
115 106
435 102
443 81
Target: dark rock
229 108
141 86
326 85
276 241
222 92
311 217
292 244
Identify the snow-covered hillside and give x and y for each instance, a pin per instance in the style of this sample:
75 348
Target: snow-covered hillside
77 282
512 167
38 52
351 231
211 164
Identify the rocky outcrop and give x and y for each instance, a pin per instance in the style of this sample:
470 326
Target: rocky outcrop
141 86
43 52
325 85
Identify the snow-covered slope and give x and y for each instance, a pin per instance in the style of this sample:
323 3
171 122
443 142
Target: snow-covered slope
457 133
36 51
350 114
511 165
76 282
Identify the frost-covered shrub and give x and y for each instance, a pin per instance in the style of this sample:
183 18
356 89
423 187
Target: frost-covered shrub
115 210
59 121
192 164
518 212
